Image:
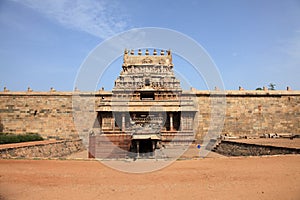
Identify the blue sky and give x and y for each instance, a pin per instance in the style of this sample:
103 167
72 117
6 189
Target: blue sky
253 43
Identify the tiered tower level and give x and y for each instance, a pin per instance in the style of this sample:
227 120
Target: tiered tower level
147 72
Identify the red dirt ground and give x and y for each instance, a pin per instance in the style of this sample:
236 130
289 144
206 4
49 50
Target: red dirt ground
275 177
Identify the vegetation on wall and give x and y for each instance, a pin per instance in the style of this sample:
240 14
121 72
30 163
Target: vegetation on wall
6 138
271 86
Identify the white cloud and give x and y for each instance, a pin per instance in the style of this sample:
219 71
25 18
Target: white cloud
99 18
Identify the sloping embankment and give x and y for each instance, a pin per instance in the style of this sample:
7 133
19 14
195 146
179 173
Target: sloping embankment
238 148
41 149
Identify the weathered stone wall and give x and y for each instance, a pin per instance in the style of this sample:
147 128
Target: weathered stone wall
251 113
46 113
109 146
41 149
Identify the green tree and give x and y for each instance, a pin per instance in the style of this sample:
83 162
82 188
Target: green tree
271 86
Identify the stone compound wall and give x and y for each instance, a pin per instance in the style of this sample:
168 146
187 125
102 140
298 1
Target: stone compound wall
250 113
46 113
41 149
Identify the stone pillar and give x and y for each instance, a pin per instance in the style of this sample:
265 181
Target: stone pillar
171 122
113 123
182 122
138 148
123 122
153 148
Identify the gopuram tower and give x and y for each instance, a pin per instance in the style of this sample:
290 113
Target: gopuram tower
146 112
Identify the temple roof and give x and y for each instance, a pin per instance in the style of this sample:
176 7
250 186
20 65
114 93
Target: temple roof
147 72
165 58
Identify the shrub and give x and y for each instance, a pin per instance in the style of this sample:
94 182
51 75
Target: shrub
6 138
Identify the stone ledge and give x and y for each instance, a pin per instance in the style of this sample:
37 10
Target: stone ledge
27 144
41 149
233 148
184 92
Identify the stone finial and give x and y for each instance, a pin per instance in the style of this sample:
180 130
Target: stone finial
147 52
154 52
52 89
288 88
241 88
29 89
125 51
265 88
192 89
162 52
5 89
102 88
140 52
132 52
216 88
169 52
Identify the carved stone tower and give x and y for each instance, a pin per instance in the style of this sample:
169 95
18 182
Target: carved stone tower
147 73
146 109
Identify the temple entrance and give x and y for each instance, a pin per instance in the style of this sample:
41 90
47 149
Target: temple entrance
143 148
146 111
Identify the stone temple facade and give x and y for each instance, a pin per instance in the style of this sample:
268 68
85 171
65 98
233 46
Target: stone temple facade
146 110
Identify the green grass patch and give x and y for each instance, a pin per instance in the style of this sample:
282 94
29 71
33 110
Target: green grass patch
7 138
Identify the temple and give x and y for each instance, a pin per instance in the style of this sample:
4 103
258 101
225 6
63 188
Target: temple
146 111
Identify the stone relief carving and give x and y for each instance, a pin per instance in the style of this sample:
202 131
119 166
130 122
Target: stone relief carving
157 68
162 61
147 60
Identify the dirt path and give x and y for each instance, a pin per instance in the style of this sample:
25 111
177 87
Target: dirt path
276 177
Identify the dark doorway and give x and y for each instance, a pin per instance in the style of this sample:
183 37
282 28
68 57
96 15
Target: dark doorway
142 148
147 95
145 146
